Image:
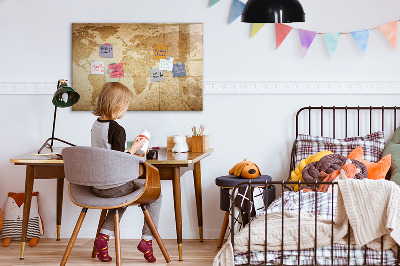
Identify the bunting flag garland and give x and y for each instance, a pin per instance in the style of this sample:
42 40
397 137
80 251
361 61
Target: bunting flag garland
256 27
332 41
389 30
281 31
361 38
237 9
213 2
306 39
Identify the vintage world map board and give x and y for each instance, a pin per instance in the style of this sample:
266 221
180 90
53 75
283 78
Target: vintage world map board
134 45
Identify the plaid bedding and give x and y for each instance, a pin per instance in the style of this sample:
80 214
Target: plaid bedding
324 257
372 145
323 207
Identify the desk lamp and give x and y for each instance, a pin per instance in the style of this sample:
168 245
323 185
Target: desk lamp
63 97
273 11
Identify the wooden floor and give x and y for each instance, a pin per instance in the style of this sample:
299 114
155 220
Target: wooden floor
50 252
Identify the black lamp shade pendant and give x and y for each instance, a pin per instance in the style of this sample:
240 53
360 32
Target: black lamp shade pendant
273 11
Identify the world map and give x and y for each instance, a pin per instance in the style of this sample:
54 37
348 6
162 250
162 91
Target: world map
133 47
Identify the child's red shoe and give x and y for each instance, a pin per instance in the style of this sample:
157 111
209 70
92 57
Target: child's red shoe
146 247
101 245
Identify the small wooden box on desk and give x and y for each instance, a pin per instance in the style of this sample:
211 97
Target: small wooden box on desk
195 143
200 143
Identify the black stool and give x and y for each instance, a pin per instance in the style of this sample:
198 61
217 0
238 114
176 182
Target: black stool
226 183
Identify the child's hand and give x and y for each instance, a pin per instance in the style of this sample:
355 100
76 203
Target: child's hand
142 155
137 144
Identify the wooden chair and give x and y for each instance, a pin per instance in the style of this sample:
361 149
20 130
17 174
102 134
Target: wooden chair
85 167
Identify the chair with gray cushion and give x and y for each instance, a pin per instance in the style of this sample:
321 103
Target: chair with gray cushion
85 167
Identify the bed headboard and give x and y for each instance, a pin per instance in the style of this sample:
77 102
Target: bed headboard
344 121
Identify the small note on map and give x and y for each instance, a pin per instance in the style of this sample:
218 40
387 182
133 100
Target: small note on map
108 78
160 51
179 70
156 74
106 50
117 70
166 64
97 67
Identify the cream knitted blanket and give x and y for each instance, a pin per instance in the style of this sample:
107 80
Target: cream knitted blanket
274 235
371 206
373 209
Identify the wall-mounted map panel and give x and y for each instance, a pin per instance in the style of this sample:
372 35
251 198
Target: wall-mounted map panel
129 53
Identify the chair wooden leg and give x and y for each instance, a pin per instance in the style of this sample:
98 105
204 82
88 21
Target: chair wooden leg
73 237
154 230
101 222
223 229
117 238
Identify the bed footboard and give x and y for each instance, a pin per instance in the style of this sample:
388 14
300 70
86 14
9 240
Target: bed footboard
310 254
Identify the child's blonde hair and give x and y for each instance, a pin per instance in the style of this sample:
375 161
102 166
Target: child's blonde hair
113 97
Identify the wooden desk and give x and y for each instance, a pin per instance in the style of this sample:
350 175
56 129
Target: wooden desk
171 167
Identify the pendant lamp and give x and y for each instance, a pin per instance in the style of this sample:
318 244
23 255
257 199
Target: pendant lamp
63 97
273 11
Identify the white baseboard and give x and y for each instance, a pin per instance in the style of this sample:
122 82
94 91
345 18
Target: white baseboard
247 87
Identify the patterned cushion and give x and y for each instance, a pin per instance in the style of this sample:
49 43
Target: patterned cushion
372 144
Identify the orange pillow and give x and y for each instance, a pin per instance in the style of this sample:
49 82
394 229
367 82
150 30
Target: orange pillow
375 170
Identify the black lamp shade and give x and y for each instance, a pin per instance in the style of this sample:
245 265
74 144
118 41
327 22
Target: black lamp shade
273 11
60 101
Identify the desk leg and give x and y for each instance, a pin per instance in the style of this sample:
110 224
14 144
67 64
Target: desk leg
176 182
27 206
60 190
199 204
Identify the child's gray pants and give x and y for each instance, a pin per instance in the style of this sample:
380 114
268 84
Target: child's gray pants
154 208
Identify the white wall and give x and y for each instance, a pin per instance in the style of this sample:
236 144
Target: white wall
35 46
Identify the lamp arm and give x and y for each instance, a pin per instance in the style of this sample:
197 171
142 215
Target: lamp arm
54 118
54 126
46 143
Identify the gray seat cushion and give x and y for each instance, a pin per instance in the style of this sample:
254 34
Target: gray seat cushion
83 196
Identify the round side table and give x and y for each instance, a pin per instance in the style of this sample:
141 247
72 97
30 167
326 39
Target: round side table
226 183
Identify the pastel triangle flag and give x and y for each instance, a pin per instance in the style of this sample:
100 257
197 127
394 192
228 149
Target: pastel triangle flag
332 41
237 9
213 2
256 28
361 37
389 30
306 39
281 31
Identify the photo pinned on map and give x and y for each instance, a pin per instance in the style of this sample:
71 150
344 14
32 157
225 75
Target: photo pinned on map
106 50
117 70
97 67
156 75
160 51
179 70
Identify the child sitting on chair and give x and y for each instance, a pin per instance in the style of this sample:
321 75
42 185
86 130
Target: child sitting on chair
112 104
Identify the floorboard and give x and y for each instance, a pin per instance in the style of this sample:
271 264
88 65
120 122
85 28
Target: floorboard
49 252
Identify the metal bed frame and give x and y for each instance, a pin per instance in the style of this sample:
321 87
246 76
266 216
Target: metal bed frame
283 184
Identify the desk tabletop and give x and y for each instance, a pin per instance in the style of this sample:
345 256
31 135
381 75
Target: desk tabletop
164 157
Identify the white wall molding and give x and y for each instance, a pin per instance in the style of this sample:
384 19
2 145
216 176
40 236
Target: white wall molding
302 87
28 88
248 87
